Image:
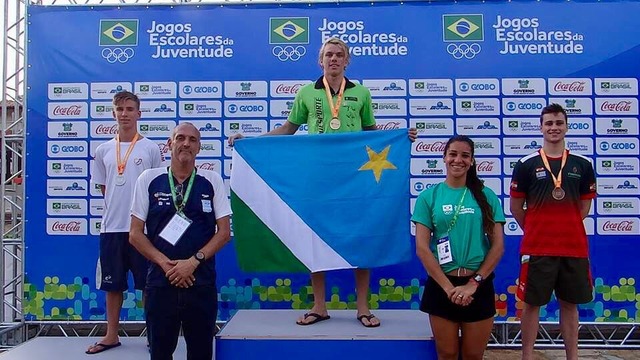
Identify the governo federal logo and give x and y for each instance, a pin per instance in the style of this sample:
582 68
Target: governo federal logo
118 38
463 33
288 36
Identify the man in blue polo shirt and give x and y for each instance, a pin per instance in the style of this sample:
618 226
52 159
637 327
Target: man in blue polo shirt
186 214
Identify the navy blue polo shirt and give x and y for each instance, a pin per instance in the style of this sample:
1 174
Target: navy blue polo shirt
153 204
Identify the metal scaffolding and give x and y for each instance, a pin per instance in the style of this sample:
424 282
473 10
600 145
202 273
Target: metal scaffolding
11 187
13 328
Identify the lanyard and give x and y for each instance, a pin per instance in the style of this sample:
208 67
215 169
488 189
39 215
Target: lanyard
123 163
186 194
335 108
457 212
557 181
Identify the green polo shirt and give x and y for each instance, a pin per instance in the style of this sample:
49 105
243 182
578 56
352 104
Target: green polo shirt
311 107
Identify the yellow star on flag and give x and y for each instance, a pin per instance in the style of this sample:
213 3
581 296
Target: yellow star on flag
378 162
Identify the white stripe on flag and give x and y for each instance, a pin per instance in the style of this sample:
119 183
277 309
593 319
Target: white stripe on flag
294 233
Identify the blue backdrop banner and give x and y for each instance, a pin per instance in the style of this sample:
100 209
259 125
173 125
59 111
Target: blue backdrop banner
479 69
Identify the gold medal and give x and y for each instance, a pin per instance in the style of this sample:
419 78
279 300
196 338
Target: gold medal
335 123
558 193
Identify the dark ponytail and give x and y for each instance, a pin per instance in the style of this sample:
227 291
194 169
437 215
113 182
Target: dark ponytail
475 185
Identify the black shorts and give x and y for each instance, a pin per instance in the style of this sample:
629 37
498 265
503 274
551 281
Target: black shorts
435 301
541 275
117 258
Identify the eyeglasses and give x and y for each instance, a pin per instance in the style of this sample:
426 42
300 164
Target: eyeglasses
179 196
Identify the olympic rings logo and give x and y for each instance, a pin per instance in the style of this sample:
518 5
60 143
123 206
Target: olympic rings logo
113 55
458 51
284 53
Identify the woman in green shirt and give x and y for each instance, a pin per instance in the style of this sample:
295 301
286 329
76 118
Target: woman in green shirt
459 240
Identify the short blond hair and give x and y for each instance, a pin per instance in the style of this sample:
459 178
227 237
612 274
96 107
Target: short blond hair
334 41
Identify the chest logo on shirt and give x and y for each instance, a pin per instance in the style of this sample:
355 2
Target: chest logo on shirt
449 208
137 161
541 173
163 198
574 173
206 206
350 98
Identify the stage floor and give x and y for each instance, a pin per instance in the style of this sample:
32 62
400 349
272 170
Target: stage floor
281 324
246 324
73 348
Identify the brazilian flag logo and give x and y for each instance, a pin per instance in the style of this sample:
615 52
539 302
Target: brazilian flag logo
463 27
289 30
118 32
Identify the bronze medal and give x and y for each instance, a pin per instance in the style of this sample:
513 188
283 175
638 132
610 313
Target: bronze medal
558 193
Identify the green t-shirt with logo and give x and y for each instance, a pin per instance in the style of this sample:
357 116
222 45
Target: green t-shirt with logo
311 107
435 208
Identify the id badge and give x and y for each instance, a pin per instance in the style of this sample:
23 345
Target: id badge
176 227
444 250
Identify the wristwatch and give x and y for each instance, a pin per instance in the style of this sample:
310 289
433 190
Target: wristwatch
200 257
478 278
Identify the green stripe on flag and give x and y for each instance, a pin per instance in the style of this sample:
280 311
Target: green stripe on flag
258 249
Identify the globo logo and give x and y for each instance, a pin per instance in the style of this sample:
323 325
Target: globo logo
483 87
418 186
73 148
251 108
579 126
530 106
604 146
205 89
476 87
512 106
66 148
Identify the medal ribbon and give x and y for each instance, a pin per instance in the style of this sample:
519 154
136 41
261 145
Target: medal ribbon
186 194
335 108
122 164
557 181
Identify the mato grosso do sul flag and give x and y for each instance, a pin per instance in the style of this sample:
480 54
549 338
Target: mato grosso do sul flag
321 202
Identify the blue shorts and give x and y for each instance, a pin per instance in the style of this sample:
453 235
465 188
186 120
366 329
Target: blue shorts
117 258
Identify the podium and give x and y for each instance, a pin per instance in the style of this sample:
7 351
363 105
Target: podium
265 334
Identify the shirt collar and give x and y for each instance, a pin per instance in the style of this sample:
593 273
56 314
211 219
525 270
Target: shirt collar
320 85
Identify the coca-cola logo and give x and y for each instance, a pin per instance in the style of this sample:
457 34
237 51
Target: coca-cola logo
70 226
485 166
434 147
288 89
575 86
618 226
623 105
73 110
390 125
107 130
205 166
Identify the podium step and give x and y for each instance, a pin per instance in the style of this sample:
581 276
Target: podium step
263 334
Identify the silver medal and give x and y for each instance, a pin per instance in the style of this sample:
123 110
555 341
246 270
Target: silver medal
120 180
